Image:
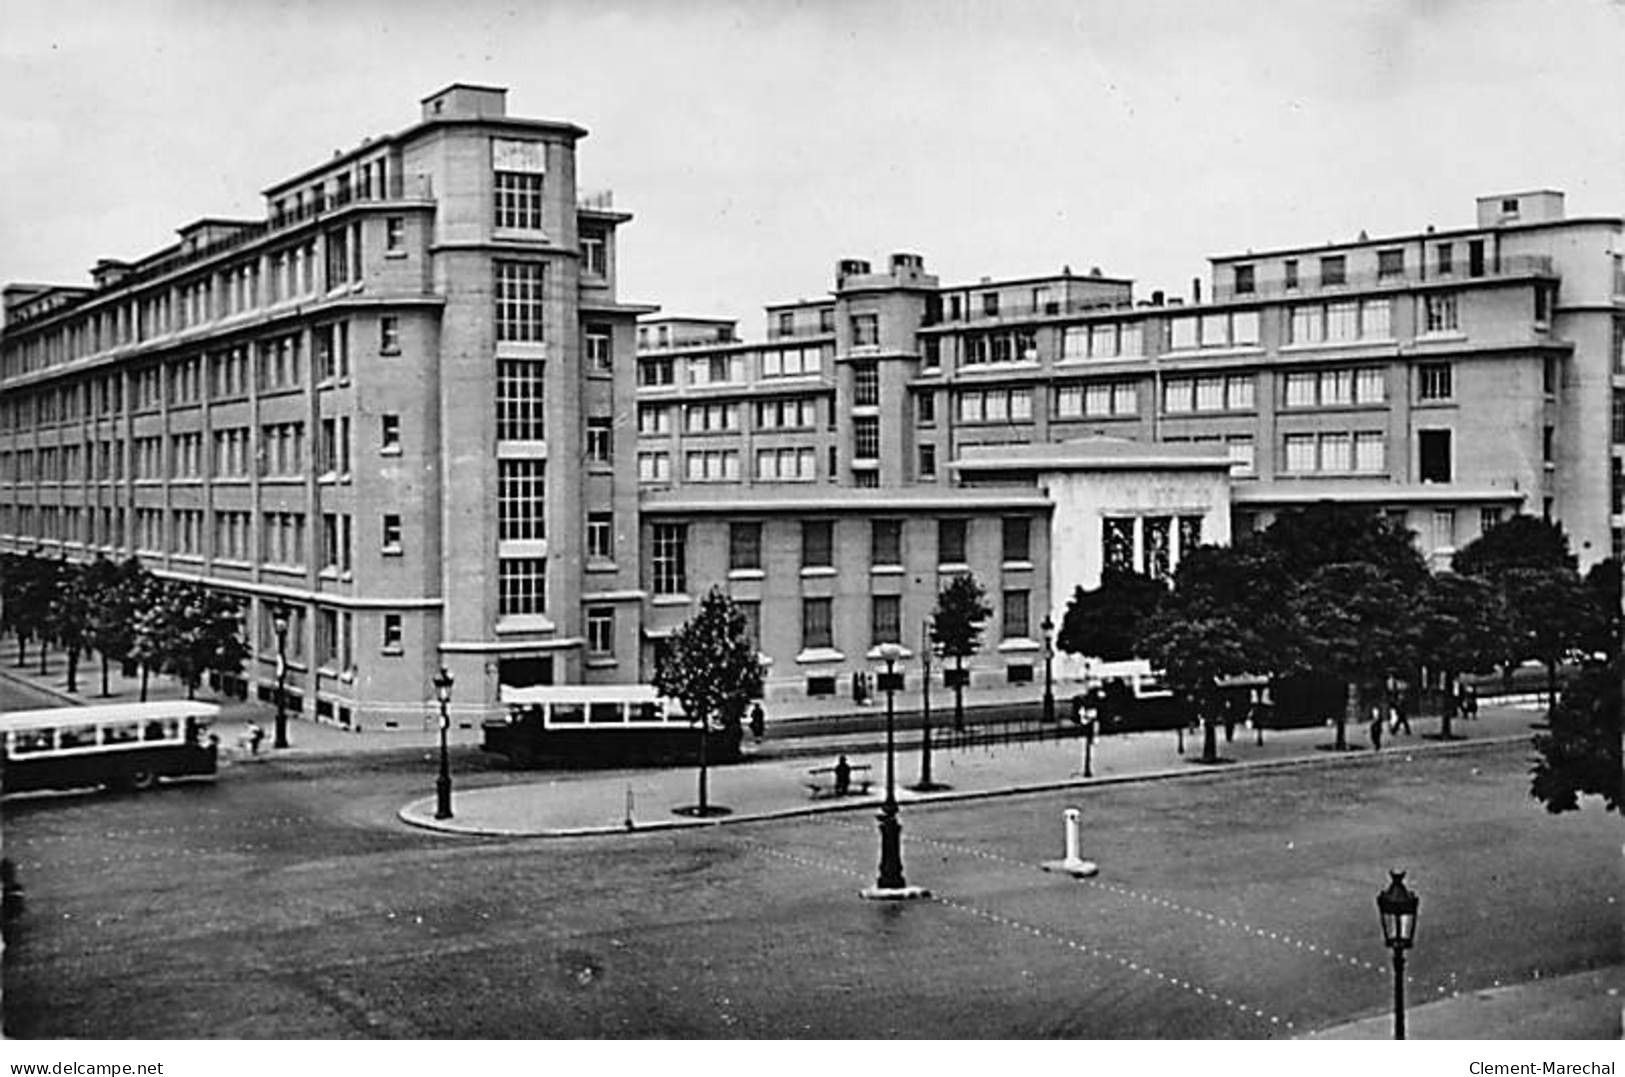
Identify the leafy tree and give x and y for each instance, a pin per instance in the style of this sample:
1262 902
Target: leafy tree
1207 630
68 615
1106 622
1359 623
1462 628
1518 542
1580 752
710 666
1551 613
206 629
29 581
119 590
1603 584
153 631
1335 534
956 630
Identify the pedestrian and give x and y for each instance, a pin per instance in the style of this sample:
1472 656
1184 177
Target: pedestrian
255 735
1376 728
843 777
1229 720
1401 721
758 722
1469 702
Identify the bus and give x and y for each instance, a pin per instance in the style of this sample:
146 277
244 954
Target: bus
604 724
120 745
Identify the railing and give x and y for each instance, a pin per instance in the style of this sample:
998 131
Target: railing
604 199
1019 311
798 332
1310 283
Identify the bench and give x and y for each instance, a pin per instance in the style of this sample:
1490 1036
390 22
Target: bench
823 783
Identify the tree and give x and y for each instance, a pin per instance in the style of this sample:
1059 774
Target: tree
153 630
1359 624
119 589
28 600
68 616
956 629
205 628
1207 630
712 668
1551 613
1462 628
1603 584
1580 752
1519 542
1106 622
1335 534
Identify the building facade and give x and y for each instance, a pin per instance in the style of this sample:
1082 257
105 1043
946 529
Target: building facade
390 403
408 403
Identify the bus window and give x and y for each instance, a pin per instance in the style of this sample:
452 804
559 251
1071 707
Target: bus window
604 713
161 729
24 741
122 733
568 714
646 712
77 736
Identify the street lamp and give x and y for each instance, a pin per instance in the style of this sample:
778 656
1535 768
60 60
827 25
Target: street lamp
279 625
1049 669
891 884
442 784
1397 906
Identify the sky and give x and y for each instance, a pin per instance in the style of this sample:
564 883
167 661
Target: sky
759 143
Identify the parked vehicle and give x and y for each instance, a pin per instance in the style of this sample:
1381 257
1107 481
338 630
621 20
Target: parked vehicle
599 724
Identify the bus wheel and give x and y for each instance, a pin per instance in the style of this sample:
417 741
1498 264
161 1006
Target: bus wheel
141 779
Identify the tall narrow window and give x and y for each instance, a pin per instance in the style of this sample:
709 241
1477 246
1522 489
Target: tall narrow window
886 542
520 400
519 301
817 625
1017 539
745 545
601 536
817 543
951 542
885 619
521 500
1434 455
669 559
518 200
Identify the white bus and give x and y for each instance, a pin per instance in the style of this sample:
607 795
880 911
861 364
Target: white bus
607 723
123 745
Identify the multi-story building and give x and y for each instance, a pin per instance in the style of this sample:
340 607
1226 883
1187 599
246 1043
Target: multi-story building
404 403
901 430
391 403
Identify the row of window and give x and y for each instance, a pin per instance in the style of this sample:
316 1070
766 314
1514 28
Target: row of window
655 371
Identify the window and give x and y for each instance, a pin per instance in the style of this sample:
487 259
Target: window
1488 519
1390 263
1335 452
745 546
392 533
654 467
519 301
657 371
1300 452
1301 389
521 500
1548 376
1370 452
951 542
594 254
520 400
392 633
1433 381
928 461
1446 259
518 200
394 235
865 384
669 559
1242 461
1336 387
1434 455
886 542
1548 444
925 405
786 465
1308 324
600 536
1289 274
1182 333
1543 306
1342 321
1017 539
716 369
600 631
817 543
1370 386
1015 619
1333 270
654 419
710 418
1156 556
990 304
865 330
601 441
1441 316
389 335
865 438
720 465
1245 283
1376 319
521 586
596 345
817 628
885 619
389 433
786 323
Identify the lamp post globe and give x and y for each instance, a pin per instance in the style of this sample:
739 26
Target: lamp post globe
1397 906
279 625
442 785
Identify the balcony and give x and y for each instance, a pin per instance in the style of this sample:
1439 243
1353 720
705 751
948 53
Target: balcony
1309 284
1025 311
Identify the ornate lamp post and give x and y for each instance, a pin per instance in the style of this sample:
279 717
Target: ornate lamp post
1049 669
279 625
1089 745
1397 907
926 784
890 884
442 785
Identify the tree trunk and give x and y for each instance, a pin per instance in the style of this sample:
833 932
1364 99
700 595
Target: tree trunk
22 649
143 684
1551 686
104 675
705 727
959 693
1352 705
73 669
1449 707
44 656
1210 735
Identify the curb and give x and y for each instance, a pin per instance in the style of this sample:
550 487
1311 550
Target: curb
416 813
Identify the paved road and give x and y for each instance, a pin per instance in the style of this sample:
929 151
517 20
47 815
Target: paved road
288 902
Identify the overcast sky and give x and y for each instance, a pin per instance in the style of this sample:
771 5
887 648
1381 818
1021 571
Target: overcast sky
757 143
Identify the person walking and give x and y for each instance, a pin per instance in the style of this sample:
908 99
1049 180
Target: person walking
1376 728
1401 721
255 736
